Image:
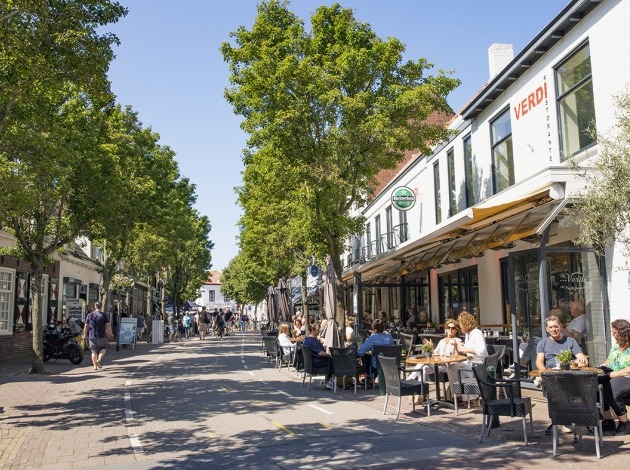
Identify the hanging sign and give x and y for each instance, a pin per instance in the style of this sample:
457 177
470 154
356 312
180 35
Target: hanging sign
403 198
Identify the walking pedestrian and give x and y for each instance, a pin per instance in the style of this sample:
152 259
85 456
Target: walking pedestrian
97 329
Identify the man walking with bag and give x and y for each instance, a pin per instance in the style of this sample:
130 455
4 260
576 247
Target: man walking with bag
97 330
204 319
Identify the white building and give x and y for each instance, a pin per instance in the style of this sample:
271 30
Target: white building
210 295
490 230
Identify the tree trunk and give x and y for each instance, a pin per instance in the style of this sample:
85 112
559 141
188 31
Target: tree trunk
37 367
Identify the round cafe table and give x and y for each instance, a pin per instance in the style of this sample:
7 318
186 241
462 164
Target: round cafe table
436 361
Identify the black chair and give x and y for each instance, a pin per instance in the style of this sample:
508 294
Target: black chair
345 365
394 351
514 405
572 401
282 357
412 348
466 383
395 386
309 369
271 348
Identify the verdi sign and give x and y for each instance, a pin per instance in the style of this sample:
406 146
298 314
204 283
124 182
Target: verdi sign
403 198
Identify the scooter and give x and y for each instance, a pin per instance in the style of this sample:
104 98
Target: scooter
61 346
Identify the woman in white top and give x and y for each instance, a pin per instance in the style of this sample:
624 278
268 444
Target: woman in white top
474 347
284 341
443 348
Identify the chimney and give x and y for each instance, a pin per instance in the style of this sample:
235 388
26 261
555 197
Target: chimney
499 55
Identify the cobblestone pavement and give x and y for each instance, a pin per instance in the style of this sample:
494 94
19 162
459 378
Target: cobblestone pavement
218 404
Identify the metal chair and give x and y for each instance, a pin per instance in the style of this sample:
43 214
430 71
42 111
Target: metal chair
514 405
309 369
572 401
408 343
271 348
466 383
345 365
395 386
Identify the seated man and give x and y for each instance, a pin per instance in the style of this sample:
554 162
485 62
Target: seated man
547 349
377 338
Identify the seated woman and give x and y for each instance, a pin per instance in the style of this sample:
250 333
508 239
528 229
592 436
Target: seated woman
444 348
318 354
349 331
297 325
423 319
474 347
284 341
377 338
616 381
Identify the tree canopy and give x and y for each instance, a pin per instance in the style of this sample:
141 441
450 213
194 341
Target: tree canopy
325 109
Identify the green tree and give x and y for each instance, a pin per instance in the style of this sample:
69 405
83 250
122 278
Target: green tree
326 110
53 93
604 208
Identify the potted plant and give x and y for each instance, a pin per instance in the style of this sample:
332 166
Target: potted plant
428 348
564 357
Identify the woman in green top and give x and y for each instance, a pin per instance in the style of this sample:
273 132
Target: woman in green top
616 382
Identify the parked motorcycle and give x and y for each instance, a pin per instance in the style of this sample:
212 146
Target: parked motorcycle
62 346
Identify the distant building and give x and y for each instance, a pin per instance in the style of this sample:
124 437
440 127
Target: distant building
210 295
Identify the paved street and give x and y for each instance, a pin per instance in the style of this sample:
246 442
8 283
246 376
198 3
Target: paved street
217 404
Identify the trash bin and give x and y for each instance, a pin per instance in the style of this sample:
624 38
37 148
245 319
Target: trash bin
157 332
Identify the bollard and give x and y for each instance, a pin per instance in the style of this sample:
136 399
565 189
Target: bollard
492 373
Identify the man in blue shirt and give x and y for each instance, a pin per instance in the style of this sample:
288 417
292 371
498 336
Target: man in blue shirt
378 338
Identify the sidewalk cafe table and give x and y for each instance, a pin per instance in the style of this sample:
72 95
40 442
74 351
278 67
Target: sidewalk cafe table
436 361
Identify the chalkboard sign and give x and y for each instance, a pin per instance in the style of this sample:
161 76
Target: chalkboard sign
127 332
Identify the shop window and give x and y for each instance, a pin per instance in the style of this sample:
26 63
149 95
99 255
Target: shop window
458 291
6 300
502 155
576 106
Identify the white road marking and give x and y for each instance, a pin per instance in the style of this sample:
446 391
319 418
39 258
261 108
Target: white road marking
251 373
320 409
285 393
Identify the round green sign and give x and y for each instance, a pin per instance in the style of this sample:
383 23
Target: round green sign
403 198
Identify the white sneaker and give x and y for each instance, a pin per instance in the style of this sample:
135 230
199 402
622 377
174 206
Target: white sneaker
538 382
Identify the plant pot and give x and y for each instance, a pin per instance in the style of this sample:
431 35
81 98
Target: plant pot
428 354
565 366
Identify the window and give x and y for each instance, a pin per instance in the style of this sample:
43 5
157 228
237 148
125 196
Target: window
6 300
436 190
452 192
469 175
403 235
389 222
576 106
377 235
368 240
211 295
502 156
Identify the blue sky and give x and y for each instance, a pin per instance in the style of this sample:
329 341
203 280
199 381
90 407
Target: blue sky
169 69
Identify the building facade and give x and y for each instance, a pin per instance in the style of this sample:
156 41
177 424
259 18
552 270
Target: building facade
492 230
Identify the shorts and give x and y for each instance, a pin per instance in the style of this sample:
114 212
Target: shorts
140 330
171 328
98 344
203 327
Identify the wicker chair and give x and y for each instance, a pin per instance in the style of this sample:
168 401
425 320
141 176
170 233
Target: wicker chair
394 351
409 345
466 383
345 365
309 369
271 348
395 386
572 401
514 405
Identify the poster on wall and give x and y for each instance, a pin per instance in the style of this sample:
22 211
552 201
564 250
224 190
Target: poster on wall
127 332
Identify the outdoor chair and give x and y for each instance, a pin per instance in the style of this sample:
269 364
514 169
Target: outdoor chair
271 348
466 383
282 357
409 345
395 386
345 365
514 405
309 369
572 401
394 351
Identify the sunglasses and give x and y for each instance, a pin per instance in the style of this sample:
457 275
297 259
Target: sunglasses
451 327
